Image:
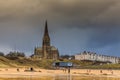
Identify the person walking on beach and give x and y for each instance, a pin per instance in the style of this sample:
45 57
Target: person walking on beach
101 71
111 72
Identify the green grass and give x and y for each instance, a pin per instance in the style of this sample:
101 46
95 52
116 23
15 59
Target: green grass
47 64
22 62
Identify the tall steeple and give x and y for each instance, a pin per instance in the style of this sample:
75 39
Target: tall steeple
46 38
46 28
46 51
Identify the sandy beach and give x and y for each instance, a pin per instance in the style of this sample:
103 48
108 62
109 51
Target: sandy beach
14 72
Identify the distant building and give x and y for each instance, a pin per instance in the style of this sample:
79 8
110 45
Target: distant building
97 57
46 51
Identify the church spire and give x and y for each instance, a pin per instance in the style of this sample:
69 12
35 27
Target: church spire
46 29
46 38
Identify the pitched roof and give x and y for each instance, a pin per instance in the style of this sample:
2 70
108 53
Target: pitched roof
39 48
53 48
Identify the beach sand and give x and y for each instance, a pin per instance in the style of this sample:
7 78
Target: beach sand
14 72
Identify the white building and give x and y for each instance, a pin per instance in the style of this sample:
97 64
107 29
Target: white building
97 57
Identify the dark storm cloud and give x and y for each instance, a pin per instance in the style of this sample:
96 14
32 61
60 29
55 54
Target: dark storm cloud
73 13
80 13
104 37
88 23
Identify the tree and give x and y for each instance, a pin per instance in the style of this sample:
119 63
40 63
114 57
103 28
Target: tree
1 54
67 57
31 55
15 55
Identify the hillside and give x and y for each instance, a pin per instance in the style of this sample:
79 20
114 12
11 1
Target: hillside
23 62
47 64
4 62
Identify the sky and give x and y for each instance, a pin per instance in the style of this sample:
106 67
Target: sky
74 25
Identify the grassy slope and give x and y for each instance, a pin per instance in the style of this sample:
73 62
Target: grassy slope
22 62
92 65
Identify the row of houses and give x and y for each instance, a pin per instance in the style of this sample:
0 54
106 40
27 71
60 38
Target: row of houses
97 57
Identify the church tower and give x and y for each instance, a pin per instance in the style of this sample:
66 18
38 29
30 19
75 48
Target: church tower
46 51
46 43
46 38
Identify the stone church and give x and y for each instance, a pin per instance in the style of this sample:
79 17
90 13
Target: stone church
46 51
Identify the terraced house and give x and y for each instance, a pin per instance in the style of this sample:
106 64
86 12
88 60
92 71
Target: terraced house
90 56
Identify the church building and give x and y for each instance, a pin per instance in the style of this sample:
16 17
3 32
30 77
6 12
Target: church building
46 51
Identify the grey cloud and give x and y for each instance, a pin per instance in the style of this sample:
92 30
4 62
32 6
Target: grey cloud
80 13
23 20
75 12
102 37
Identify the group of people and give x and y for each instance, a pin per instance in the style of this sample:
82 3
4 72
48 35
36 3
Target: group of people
28 69
66 69
101 71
